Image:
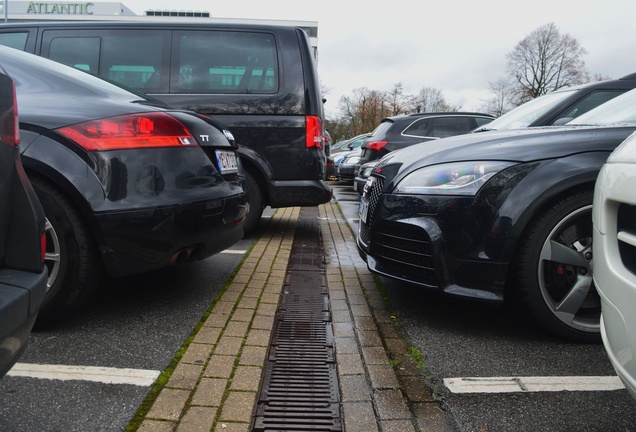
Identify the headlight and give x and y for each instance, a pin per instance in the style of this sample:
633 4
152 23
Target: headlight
459 178
352 160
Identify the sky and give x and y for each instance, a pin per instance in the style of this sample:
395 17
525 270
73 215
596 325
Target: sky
456 47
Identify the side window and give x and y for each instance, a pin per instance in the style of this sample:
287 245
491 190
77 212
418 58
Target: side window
14 40
224 62
587 103
81 53
450 126
134 59
419 128
480 121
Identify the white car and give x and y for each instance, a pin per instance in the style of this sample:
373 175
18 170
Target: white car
614 249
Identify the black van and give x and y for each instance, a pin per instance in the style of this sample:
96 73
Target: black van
259 80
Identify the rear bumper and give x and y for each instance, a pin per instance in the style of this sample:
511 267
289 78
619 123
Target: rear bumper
21 294
302 193
142 240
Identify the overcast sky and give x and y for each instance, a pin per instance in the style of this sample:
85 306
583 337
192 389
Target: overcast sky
457 47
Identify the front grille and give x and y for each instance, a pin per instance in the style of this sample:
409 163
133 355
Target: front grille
403 251
372 195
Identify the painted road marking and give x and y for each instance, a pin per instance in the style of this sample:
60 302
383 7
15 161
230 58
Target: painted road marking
139 377
234 251
532 384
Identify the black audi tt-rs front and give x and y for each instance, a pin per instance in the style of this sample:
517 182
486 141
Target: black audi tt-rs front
498 215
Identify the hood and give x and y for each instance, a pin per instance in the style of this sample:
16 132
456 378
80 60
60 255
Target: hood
520 145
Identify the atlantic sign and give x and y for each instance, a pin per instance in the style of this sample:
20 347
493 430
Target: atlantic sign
60 8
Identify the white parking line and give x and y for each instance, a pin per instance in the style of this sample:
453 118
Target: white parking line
139 377
532 384
234 251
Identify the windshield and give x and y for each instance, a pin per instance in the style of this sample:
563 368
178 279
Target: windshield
620 110
525 114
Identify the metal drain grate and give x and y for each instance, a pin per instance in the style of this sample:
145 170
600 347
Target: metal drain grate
299 389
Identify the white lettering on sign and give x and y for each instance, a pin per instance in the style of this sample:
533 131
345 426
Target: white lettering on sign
60 8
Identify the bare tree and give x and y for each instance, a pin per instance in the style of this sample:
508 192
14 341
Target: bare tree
396 99
430 100
363 111
544 61
503 96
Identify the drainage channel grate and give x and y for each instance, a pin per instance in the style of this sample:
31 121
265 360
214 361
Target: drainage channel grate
299 389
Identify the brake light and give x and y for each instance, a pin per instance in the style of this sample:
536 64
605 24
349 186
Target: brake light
313 132
43 246
376 145
155 129
10 130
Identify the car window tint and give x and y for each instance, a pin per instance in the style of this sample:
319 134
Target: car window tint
590 101
482 121
419 128
81 53
14 40
224 62
133 60
449 126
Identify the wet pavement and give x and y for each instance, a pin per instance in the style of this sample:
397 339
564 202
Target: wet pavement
220 379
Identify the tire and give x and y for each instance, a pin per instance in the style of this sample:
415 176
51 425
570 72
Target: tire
255 200
71 255
554 270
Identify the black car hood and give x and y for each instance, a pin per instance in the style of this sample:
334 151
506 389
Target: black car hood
52 95
520 145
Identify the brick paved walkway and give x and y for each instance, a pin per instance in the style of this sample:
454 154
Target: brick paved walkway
213 385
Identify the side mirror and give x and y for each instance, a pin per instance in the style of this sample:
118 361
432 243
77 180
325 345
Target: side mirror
562 121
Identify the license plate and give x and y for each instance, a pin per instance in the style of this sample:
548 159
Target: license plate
364 210
227 161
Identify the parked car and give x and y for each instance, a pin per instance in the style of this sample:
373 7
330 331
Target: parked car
499 215
22 239
561 106
127 185
350 144
394 133
362 175
614 248
259 80
347 166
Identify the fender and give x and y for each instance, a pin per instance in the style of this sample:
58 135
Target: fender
549 180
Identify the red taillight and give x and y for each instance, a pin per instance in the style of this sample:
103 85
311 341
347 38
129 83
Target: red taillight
156 129
376 145
43 246
313 132
10 130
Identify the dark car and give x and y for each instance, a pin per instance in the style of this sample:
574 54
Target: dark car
499 215
22 239
561 106
398 132
347 165
259 80
127 185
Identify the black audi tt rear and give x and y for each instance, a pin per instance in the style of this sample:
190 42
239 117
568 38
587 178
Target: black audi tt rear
127 185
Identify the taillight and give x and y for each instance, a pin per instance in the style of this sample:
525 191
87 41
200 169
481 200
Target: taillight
10 130
313 132
43 246
155 129
376 145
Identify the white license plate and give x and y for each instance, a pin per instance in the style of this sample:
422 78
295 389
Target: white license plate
364 210
227 161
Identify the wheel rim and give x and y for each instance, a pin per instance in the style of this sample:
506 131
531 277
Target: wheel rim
565 272
52 257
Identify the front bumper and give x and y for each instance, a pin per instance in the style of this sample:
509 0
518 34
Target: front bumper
430 243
